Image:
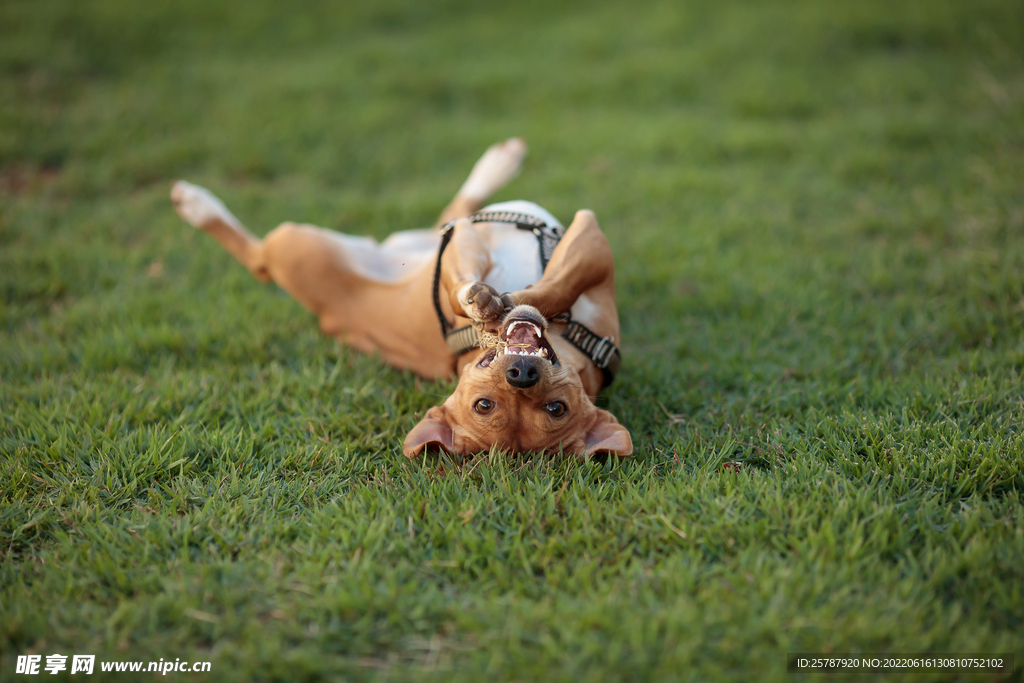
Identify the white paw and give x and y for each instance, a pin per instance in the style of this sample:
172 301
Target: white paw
198 206
499 165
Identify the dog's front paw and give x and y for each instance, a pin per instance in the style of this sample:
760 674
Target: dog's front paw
482 303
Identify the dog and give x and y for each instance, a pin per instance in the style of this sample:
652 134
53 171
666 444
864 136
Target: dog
521 309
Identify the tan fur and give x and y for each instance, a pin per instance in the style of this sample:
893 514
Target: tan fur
377 297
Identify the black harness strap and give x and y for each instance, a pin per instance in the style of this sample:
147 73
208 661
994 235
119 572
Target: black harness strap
601 350
446 237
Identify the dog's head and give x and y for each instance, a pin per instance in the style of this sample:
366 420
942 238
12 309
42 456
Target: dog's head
520 397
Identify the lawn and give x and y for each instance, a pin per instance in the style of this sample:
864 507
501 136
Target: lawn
817 210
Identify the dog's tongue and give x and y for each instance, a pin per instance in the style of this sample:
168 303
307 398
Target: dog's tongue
526 338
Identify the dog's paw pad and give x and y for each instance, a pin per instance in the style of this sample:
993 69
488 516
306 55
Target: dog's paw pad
197 205
482 303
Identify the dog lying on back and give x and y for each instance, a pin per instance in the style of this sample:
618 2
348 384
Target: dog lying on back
521 309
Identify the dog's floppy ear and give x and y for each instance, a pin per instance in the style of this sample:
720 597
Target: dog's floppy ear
433 430
606 435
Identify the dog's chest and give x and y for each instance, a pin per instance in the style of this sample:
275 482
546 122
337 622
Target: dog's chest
515 258
515 253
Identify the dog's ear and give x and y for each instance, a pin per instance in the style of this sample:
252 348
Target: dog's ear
606 435
433 430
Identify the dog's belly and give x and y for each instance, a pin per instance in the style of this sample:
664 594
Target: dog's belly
398 257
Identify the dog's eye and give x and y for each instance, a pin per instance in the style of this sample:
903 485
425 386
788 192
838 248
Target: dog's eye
483 406
555 408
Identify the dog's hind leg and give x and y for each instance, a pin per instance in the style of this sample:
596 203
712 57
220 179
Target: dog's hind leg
374 297
199 207
493 171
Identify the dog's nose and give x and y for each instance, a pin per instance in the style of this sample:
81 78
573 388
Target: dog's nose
522 373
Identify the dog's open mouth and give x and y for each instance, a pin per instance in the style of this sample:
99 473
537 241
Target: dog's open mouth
522 334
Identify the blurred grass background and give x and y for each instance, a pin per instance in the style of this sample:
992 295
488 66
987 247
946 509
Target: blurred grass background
817 210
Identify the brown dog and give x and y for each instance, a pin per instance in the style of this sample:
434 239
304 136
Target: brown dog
548 330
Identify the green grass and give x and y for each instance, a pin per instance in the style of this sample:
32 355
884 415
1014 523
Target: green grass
817 210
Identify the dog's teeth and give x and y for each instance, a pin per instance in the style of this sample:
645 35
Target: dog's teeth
516 323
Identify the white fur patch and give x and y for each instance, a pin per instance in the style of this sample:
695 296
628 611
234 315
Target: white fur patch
585 311
514 256
198 206
515 262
